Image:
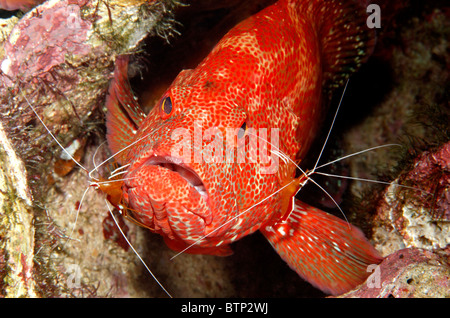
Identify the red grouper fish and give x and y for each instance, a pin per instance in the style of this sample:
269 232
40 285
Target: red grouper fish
193 172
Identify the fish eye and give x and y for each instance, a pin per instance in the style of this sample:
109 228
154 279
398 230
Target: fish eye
166 105
241 131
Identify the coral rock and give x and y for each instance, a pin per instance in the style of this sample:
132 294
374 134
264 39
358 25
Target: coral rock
418 216
408 273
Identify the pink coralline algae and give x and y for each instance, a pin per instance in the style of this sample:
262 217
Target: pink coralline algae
408 273
38 43
419 216
412 229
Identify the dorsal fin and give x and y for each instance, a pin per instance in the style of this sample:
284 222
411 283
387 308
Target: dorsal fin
124 113
346 40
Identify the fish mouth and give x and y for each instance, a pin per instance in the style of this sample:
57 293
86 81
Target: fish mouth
176 165
168 197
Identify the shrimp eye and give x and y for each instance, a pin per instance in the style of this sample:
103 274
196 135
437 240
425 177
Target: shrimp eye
166 105
241 131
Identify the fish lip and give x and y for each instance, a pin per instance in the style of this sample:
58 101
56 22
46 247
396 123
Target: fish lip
178 166
171 216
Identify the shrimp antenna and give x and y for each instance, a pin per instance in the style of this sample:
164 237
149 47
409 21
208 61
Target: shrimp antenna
135 252
332 125
51 134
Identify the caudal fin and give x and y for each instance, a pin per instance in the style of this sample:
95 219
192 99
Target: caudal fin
324 250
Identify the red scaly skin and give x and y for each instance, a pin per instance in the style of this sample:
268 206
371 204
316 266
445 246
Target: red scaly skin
267 72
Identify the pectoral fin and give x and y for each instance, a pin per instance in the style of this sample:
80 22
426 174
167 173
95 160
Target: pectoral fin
324 250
